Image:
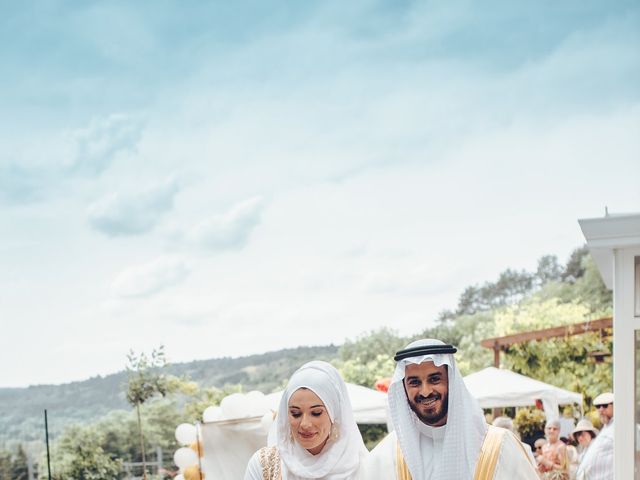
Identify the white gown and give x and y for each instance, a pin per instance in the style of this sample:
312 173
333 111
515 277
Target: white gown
381 463
254 470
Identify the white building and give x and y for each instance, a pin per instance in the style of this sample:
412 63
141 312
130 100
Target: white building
614 243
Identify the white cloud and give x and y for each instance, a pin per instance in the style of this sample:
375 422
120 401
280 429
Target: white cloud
152 277
103 140
122 214
230 230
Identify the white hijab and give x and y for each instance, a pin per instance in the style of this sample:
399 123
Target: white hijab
340 458
464 431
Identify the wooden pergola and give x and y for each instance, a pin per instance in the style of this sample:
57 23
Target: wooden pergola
499 344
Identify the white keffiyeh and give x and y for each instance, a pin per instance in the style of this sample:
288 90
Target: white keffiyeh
340 458
463 433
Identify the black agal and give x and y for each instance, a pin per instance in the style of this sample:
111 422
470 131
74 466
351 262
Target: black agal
424 350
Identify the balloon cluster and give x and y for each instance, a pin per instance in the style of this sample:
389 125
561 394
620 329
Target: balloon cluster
232 407
241 405
187 456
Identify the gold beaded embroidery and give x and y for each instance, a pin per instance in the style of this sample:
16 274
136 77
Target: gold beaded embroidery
270 461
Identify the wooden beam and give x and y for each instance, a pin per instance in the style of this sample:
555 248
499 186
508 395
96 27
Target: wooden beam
502 343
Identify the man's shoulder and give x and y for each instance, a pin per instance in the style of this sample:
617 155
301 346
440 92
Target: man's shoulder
501 439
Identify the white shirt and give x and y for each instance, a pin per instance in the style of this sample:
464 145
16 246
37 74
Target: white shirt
597 463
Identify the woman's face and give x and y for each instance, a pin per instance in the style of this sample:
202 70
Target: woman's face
309 420
583 438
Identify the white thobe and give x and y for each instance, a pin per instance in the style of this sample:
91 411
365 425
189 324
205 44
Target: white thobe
512 460
431 439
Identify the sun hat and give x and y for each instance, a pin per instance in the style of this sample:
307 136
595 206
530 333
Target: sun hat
585 425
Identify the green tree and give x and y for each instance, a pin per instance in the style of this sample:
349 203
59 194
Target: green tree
549 270
574 268
78 455
563 361
566 363
146 380
201 398
368 346
119 429
5 465
366 374
369 357
19 468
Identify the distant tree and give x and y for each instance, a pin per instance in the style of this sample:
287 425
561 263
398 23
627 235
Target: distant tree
591 290
367 373
563 361
566 363
201 398
79 456
369 346
574 269
5 464
511 287
119 435
549 270
19 467
145 381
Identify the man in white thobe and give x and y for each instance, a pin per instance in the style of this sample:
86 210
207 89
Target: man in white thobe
597 463
440 432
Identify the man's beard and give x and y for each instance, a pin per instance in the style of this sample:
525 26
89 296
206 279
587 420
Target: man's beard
437 416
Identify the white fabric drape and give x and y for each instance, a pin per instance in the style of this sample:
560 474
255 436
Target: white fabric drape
340 458
463 433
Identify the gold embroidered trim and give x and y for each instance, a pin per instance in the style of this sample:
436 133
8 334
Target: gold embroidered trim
489 453
270 461
402 470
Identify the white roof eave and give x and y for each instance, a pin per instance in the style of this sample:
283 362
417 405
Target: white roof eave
606 234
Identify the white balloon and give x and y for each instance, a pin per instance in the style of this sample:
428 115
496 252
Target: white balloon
266 421
235 405
257 403
212 414
185 457
186 434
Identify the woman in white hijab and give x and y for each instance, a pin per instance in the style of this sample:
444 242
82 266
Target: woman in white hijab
316 435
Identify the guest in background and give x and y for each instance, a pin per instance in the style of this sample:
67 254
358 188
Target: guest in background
584 433
552 464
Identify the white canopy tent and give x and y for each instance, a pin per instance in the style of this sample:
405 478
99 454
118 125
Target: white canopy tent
497 387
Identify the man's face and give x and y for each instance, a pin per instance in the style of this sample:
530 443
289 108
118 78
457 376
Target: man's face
427 389
605 412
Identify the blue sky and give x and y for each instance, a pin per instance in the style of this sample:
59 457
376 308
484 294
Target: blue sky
228 179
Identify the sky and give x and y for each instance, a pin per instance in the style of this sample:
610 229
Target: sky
232 178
